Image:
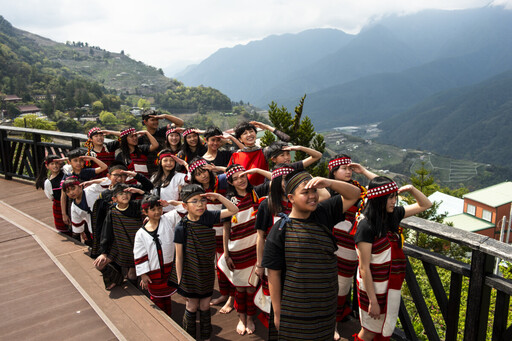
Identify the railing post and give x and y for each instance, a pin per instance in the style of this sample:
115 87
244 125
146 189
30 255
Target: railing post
6 163
479 296
75 143
38 156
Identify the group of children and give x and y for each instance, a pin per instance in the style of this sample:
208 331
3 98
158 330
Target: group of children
172 212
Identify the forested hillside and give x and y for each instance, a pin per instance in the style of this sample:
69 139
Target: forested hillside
67 80
471 123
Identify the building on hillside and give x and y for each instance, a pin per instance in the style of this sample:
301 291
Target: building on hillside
10 98
447 203
29 109
484 210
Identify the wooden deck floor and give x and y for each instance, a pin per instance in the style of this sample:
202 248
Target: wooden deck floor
52 291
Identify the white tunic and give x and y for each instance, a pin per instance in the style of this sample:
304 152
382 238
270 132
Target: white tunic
79 217
171 191
144 247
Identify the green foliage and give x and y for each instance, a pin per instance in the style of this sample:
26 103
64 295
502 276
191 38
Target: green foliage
69 125
97 107
182 98
109 120
143 103
32 121
301 132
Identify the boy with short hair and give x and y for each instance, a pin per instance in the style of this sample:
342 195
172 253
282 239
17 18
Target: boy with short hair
194 271
252 156
118 233
117 173
279 152
154 251
83 200
151 119
76 159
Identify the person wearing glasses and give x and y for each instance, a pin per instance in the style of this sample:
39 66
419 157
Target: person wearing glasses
194 270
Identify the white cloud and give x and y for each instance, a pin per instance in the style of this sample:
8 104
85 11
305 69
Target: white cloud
162 33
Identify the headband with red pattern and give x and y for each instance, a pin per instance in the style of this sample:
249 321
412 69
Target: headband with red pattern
188 131
234 170
197 164
281 172
171 131
338 162
161 156
382 190
93 131
127 132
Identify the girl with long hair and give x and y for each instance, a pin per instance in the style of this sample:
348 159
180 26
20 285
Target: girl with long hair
49 179
166 181
239 257
173 140
97 147
379 246
134 156
192 145
341 168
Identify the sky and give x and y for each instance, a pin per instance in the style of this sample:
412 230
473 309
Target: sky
171 34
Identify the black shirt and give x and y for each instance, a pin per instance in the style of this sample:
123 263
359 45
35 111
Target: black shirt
365 233
328 213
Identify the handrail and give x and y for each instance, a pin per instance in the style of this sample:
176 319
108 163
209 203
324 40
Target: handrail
21 157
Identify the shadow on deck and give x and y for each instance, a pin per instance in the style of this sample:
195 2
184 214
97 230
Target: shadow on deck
52 291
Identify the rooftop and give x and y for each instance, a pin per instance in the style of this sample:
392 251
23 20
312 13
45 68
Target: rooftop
493 196
467 222
447 203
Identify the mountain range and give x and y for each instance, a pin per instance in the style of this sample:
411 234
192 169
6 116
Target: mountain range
388 67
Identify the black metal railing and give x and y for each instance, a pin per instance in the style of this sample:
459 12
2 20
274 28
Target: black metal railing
23 150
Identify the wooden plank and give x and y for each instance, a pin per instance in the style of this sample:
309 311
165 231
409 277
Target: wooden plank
500 315
421 306
437 288
452 320
38 302
478 306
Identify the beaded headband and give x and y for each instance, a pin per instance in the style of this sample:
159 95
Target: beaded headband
127 132
338 162
161 156
64 184
296 180
170 131
281 172
188 131
234 170
187 196
197 164
382 190
93 131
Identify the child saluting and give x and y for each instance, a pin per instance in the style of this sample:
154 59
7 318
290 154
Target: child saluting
194 271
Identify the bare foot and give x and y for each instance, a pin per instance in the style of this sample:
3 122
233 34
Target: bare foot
228 307
111 286
251 327
240 328
219 300
336 335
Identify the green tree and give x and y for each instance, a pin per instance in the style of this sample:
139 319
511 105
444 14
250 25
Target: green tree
143 103
109 120
69 125
97 107
35 122
301 132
